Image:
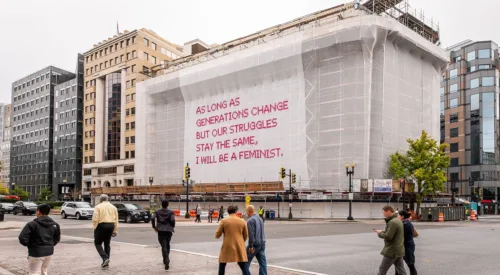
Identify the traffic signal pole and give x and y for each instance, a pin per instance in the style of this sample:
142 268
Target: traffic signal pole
187 175
290 196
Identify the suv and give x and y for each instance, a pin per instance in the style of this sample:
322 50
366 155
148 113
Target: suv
131 212
78 209
24 207
7 207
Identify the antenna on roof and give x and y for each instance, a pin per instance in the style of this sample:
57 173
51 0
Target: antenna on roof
117 28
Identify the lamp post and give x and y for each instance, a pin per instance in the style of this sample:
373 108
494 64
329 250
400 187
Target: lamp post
402 184
150 198
349 173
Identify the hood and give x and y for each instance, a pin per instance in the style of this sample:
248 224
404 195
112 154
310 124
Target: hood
165 213
45 221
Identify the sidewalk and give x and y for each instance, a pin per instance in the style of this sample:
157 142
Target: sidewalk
75 256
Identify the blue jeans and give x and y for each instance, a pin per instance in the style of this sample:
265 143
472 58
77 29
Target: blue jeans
260 254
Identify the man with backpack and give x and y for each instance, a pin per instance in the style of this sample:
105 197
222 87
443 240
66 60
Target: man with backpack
165 228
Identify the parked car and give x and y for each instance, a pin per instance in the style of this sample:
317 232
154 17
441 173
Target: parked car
78 209
131 212
7 207
24 207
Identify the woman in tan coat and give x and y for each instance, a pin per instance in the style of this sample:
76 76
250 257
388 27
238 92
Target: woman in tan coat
233 246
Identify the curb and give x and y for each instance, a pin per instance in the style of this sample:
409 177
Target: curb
4 271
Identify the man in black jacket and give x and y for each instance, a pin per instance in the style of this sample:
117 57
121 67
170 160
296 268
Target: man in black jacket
40 236
165 229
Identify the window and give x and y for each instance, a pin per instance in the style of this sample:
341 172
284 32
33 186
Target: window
484 67
127 140
441 92
453 73
133 40
453 102
485 53
488 81
471 56
453 147
127 155
153 59
153 45
133 82
132 125
146 41
133 68
127 126
86 147
128 98
453 88
133 97
132 111
129 56
453 117
128 84
121 44
127 112
474 83
132 139
146 56
454 162
132 154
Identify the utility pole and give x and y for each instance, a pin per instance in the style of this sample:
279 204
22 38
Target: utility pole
349 173
187 176
290 196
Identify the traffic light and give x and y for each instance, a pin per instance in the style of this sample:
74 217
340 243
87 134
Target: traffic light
293 178
187 172
282 173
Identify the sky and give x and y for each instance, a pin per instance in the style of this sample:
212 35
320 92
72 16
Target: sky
36 34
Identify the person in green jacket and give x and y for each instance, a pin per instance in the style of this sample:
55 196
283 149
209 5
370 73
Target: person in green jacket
394 248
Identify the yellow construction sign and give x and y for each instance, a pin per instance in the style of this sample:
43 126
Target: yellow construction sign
247 201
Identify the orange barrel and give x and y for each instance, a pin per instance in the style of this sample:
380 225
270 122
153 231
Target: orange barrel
177 212
473 215
192 213
441 217
238 214
215 214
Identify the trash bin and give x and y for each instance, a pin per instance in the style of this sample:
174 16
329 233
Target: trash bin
267 214
2 214
271 215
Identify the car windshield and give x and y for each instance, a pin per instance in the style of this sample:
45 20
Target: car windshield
133 207
29 204
83 205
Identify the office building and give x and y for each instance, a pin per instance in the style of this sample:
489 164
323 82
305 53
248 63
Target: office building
5 144
343 85
112 70
469 121
32 129
68 135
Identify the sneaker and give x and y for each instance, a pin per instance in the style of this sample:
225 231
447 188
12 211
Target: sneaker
167 265
105 263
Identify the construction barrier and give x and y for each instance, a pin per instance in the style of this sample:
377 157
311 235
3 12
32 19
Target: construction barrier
441 217
192 213
177 212
239 214
473 216
215 214
452 213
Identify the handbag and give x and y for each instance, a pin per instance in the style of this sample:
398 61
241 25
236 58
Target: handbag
415 233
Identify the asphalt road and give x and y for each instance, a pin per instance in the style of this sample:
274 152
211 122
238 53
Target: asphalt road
336 248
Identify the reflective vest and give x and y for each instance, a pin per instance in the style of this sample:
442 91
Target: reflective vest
261 211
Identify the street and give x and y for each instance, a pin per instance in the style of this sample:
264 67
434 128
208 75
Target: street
322 247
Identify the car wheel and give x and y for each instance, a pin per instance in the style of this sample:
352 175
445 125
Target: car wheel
14 212
147 221
78 217
63 215
128 219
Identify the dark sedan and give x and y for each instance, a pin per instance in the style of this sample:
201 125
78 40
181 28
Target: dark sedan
24 207
131 212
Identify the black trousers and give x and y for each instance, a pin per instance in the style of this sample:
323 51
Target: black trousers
209 217
198 218
102 234
164 238
243 266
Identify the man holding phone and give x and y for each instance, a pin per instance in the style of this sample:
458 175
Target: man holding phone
394 248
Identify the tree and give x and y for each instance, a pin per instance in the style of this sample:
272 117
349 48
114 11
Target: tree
75 193
21 193
424 163
45 194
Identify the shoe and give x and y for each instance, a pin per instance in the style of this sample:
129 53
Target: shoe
167 265
105 263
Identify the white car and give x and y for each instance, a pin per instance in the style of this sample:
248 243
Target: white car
78 209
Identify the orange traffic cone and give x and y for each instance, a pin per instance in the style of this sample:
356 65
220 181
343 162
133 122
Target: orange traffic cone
473 215
441 217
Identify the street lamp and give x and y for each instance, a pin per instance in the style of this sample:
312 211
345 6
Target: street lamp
402 184
349 173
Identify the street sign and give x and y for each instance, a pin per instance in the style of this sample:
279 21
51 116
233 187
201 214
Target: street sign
351 196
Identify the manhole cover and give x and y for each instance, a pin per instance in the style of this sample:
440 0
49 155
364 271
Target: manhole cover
73 242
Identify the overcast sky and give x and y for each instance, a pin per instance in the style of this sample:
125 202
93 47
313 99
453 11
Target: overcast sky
37 33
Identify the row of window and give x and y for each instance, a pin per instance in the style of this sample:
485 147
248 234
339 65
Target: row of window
68 137
89 134
130 126
130 98
31 124
32 134
67 114
90 96
30 147
486 81
106 64
130 83
66 150
90 146
130 140
89 121
483 53
31 103
33 113
31 156
32 92
110 49
67 90
33 81
68 125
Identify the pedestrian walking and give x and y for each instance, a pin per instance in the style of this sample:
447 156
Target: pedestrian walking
233 245
256 240
409 234
393 236
198 213
221 213
40 236
261 213
165 229
105 221
210 213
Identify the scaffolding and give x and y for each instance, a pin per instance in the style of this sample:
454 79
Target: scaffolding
401 11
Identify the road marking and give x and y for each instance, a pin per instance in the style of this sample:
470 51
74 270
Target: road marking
4 271
196 254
